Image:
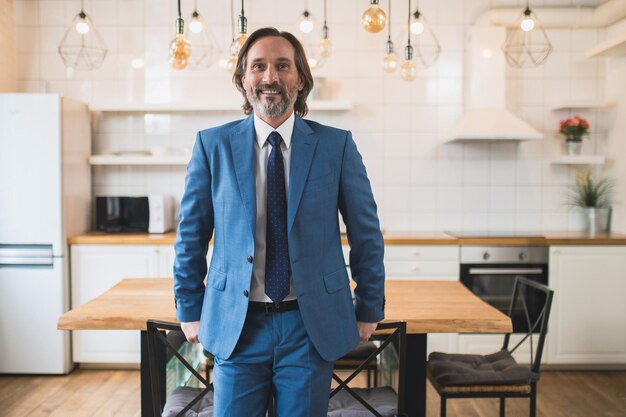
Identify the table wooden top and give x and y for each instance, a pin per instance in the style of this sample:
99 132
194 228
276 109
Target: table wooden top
426 306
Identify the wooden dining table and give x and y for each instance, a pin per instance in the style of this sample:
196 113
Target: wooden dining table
426 307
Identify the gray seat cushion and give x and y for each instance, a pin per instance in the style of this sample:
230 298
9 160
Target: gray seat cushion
182 396
448 369
384 400
363 350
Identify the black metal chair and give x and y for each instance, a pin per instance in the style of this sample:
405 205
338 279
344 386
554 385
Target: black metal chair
497 375
353 359
346 401
183 401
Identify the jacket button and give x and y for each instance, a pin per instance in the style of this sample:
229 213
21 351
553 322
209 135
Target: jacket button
245 293
250 259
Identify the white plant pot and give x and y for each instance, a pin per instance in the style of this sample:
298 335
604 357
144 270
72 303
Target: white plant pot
597 220
574 148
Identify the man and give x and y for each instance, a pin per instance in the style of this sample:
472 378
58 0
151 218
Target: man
277 308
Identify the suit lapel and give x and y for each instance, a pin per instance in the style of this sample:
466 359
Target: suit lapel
303 145
242 150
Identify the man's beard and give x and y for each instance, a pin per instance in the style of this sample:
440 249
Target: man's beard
275 107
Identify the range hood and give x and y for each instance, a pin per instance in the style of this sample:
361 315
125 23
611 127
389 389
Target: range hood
485 117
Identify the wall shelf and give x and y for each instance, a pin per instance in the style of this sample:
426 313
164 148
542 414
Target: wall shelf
614 47
138 160
582 105
314 105
580 160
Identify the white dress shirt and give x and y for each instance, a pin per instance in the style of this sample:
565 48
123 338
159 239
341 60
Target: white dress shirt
262 149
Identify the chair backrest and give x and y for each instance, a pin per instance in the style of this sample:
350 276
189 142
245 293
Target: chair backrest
169 343
398 337
523 290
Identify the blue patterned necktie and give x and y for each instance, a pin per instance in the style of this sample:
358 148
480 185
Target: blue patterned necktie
276 244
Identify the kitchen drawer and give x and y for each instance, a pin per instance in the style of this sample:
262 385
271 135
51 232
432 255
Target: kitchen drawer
422 268
450 253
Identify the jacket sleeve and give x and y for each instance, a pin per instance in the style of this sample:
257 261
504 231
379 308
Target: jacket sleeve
195 228
358 210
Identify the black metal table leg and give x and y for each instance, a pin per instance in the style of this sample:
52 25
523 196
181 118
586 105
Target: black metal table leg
147 409
415 379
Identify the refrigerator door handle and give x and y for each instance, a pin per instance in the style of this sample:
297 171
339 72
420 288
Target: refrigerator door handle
26 255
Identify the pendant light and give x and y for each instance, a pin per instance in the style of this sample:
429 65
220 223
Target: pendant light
306 23
230 63
82 47
390 61
527 44
180 47
427 49
205 48
318 51
325 43
242 35
408 70
374 19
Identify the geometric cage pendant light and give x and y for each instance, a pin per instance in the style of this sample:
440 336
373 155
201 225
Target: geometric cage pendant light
82 47
527 44
205 49
426 46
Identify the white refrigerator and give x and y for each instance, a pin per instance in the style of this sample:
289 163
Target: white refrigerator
45 191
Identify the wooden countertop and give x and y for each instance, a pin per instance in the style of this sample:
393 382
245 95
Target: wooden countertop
426 306
391 238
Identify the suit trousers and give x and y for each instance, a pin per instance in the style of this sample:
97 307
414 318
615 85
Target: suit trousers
273 354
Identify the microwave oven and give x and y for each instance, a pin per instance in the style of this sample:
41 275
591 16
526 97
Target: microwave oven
145 214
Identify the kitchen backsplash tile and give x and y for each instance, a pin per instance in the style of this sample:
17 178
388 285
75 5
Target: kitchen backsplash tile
419 181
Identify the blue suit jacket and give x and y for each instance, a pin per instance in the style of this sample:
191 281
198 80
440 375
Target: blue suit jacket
326 175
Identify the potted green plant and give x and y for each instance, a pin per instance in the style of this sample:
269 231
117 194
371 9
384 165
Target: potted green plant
593 195
574 129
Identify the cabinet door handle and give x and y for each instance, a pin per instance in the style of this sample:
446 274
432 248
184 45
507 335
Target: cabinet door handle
416 268
417 253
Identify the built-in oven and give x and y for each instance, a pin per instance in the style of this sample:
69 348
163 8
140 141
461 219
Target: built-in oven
490 272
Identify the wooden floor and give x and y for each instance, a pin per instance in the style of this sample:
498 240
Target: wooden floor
107 393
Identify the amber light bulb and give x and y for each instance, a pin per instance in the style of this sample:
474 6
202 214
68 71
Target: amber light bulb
408 70
374 19
231 64
325 47
238 43
180 47
390 62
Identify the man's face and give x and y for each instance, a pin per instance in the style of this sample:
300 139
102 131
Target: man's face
271 79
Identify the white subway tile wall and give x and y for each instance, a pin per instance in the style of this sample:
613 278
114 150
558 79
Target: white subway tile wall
420 183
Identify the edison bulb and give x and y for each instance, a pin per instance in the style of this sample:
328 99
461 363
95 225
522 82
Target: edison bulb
527 24
408 70
374 19
82 27
325 47
195 26
390 62
417 27
238 43
180 49
231 64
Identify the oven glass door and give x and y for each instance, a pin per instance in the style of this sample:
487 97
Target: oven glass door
494 285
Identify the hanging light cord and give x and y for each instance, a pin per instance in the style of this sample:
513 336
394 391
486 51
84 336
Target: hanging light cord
179 14
242 9
232 20
325 13
389 19
409 25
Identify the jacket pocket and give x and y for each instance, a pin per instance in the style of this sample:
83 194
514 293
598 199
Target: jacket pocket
336 280
217 279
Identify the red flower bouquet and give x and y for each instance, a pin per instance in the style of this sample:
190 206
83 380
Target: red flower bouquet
574 128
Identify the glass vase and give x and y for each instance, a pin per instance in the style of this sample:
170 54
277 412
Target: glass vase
574 147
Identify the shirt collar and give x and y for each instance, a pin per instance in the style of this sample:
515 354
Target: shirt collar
263 130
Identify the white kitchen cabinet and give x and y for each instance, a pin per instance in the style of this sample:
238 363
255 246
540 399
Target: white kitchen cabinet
588 320
422 262
95 269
